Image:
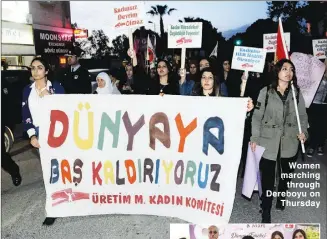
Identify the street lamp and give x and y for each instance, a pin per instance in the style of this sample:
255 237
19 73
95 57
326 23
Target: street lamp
238 42
154 25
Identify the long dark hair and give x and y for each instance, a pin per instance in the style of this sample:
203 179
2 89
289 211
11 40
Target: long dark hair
216 85
277 68
301 231
277 233
46 65
171 74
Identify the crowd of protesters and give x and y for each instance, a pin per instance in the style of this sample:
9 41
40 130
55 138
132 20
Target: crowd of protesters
270 122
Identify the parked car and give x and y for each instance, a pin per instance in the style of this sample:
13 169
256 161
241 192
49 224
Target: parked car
14 80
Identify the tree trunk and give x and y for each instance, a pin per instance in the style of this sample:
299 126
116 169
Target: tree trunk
162 30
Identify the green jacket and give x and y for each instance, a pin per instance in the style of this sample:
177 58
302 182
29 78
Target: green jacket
269 128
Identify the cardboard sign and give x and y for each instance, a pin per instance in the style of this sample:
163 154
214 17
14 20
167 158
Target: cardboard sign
185 35
309 72
128 16
157 160
249 59
270 41
320 48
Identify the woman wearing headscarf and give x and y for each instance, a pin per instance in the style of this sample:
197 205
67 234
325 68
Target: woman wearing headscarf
274 127
33 96
105 85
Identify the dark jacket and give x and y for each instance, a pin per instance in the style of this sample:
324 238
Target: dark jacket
56 88
233 88
139 84
172 88
77 82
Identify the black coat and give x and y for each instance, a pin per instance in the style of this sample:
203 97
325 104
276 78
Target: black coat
78 82
140 82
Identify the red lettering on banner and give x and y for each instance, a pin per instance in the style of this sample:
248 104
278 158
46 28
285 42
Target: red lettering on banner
57 116
95 171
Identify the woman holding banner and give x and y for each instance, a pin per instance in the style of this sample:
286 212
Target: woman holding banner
105 85
166 82
205 63
210 86
32 102
274 127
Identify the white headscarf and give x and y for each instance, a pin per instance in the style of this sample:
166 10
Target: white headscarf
109 87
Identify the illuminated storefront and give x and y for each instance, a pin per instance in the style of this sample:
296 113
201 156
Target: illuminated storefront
16 34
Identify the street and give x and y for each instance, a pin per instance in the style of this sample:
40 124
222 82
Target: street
23 210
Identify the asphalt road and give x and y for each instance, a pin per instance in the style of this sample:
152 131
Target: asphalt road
23 211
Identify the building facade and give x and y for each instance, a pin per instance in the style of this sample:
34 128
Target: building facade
31 28
17 40
53 33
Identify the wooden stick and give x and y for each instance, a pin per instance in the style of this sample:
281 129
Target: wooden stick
183 56
297 116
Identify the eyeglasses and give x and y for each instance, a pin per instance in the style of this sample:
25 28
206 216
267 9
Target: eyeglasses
213 232
226 64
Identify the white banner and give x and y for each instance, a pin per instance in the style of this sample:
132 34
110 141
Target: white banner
320 48
125 16
249 59
185 35
270 41
309 72
122 158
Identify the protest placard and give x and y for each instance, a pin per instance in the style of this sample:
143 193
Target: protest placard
309 72
270 41
320 48
249 59
128 17
185 35
120 158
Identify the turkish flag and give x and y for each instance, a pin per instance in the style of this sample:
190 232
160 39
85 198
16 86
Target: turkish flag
281 49
150 51
151 55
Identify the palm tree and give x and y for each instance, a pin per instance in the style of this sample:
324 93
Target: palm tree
160 10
